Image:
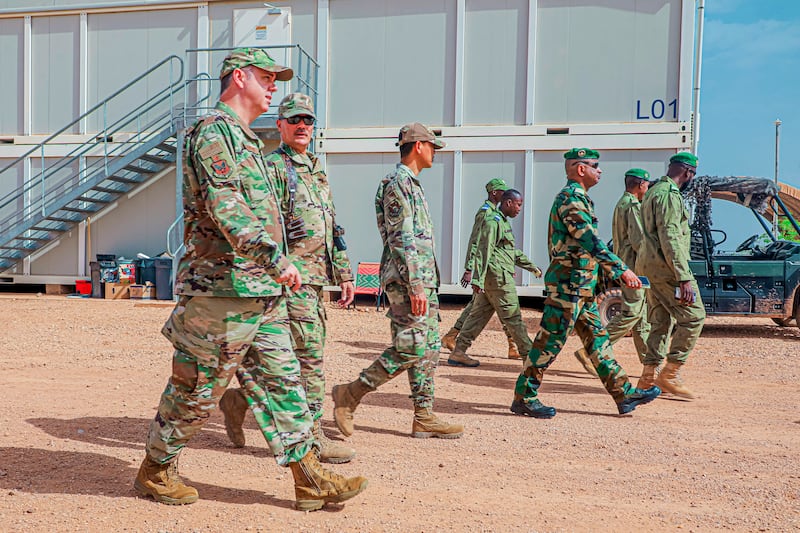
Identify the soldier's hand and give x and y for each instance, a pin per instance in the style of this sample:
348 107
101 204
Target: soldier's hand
348 293
687 293
477 290
419 304
291 278
466 279
537 272
631 280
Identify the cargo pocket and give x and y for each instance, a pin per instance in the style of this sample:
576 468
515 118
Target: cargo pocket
196 358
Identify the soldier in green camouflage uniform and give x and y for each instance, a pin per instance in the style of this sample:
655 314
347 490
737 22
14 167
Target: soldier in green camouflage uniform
410 275
495 189
493 282
307 206
674 294
230 299
576 252
626 230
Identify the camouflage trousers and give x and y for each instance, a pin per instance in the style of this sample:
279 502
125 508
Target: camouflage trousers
631 317
415 345
213 339
663 309
307 320
562 314
462 318
500 296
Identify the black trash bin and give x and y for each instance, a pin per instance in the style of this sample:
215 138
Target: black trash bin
103 270
163 268
145 271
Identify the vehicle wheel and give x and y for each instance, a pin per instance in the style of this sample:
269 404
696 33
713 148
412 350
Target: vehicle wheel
783 322
609 304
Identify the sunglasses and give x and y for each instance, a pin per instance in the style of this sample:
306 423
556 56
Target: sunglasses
593 165
308 121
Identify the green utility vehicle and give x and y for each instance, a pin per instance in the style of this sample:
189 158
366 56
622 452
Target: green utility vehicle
759 278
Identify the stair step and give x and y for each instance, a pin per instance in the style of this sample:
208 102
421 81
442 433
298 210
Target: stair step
22 248
85 198
62 219
37 239
168 148
100 188
82 210
124 179
138 169
10 254
155 159
60 229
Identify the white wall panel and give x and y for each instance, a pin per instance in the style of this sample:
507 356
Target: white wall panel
55 64
11 31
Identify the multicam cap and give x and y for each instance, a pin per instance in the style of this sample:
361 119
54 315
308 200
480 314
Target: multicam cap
243 57
496 184
418 132
638 173
685 158
582 153
294 104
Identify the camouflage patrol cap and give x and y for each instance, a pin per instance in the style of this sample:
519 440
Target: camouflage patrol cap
294 104
418 132
684 158
638 173
582 153
496 184
244 57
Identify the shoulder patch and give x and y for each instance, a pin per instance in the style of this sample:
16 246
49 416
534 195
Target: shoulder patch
220 166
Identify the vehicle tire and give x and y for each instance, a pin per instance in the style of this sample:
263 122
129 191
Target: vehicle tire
783 322
609 303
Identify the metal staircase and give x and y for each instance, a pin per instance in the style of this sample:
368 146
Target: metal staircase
125 152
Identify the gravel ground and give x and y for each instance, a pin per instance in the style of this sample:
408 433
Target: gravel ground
83 377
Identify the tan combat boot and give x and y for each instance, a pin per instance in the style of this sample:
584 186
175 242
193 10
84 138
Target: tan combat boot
314 486
449 340
426 425
234 406
669 380
583 358
648 378
513 352
163 484
345 400
327 450
460 358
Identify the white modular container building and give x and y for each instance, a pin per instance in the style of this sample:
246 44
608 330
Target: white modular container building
512 84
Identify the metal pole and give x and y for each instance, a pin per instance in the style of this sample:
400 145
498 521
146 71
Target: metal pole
777 153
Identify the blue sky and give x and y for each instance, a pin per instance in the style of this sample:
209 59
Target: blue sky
750 77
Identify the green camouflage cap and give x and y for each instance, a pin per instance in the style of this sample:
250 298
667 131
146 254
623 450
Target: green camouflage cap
496 184
685 158
244 57
582 153
294 104
638 173
418 132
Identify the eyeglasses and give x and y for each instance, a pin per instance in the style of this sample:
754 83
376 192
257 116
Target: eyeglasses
308 121
593 165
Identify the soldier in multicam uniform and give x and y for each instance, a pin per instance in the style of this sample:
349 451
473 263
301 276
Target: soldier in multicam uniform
576 252
674 294
410 276
626 230
493 282
495 189
307 205
231 299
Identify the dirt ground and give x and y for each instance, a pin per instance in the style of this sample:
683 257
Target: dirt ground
82 379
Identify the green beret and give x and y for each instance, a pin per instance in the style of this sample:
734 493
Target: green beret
582 153
638 173
684 158
496 184
244 57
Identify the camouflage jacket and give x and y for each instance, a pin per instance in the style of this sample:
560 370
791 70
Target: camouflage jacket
487 207
314 255
406 229
626 228
665 221
576 251
495 252
232 225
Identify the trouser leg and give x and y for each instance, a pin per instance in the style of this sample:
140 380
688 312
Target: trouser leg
481 313
502 294
307 321
632 317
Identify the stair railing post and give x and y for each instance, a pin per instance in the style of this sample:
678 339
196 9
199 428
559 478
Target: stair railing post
41 178
105 137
